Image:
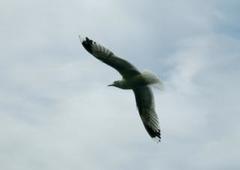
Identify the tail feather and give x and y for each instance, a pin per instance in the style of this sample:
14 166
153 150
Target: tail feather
152 79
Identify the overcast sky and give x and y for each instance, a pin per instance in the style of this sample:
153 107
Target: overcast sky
57 113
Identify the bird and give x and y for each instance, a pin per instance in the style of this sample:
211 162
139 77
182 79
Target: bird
132 79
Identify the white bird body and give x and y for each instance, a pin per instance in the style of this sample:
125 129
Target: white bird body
143 79
132 79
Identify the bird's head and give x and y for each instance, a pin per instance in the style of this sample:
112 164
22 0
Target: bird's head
116 84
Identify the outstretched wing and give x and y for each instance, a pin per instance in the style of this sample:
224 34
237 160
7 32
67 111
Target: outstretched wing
126 69
145 104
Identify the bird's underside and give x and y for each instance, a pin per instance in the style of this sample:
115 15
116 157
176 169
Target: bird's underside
137 81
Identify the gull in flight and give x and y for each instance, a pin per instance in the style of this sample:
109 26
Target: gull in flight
133 79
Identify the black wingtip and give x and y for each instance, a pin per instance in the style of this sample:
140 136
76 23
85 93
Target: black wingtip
87 43
156 135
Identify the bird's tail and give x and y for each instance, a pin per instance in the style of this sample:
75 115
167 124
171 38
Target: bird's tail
152 79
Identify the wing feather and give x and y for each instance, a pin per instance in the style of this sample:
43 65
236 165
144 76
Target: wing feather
126 69
145 104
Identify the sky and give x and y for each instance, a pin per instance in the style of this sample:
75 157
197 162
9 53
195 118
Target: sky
56 111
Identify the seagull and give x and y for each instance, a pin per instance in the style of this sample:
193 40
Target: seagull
132 79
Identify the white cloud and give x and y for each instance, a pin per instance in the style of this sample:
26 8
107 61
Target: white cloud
57 113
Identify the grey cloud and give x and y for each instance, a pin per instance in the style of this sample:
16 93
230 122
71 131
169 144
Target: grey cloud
57 113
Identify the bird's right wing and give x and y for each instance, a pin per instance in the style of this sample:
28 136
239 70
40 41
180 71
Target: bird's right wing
126 69
145 104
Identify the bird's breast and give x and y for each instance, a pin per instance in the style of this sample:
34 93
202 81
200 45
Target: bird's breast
134 82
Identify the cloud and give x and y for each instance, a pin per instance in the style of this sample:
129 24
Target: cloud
57 113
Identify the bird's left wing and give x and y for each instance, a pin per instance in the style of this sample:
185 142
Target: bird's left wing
145 104
126 69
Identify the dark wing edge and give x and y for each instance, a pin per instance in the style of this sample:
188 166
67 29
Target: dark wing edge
145 104
125 68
